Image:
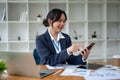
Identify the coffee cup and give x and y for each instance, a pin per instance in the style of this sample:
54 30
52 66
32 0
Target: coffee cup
116 60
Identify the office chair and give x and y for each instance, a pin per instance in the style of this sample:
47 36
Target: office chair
36 57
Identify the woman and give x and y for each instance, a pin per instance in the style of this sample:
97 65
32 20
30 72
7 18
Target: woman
55 47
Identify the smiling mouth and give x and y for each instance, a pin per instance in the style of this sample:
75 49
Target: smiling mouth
60 28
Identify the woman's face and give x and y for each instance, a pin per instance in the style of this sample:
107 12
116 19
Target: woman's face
59 25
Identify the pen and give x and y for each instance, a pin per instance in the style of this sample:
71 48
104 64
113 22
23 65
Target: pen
57 72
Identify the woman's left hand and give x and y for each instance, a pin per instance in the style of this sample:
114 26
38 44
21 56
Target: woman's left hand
85 53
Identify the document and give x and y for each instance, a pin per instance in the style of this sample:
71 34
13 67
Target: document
70 70
105 73
76 72
62 66
59 66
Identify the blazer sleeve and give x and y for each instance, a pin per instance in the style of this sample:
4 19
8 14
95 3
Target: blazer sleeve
76 60
47 54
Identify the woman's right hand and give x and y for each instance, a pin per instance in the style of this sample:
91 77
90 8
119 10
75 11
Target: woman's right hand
77 49
74 48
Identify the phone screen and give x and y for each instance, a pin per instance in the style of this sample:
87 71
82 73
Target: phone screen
89 46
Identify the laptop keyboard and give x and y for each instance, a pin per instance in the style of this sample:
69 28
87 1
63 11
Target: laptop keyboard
41 74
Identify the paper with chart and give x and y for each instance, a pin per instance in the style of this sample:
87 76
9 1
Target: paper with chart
76 72
70 70
62 66
105 73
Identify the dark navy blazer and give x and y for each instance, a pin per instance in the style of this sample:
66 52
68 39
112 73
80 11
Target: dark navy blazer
47 52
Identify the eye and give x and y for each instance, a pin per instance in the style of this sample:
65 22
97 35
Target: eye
64 21
60 20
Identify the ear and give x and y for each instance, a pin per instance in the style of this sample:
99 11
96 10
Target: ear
50 21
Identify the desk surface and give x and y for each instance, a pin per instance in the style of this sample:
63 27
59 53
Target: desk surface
52 77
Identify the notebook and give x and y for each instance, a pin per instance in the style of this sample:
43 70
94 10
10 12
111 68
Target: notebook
23 64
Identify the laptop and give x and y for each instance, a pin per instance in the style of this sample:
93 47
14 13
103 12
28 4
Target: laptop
23 64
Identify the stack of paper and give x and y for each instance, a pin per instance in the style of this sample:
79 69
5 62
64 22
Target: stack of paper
107 72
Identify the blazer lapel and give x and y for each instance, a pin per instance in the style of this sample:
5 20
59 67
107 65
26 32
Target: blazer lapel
63 43
49 43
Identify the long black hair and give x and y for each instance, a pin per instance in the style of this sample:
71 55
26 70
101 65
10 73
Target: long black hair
54 15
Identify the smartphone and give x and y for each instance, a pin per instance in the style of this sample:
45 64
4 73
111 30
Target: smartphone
90 45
